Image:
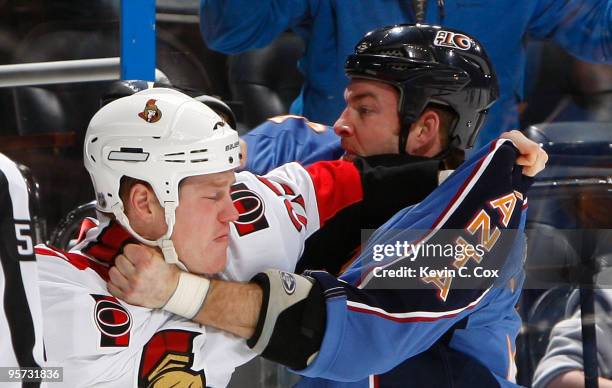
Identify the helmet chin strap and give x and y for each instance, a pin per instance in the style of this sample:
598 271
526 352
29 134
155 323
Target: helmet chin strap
403 134
164 242
403 140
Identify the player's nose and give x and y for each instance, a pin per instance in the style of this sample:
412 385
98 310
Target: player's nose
342 126
228 213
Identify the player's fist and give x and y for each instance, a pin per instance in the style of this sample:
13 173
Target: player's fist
141 277
532 157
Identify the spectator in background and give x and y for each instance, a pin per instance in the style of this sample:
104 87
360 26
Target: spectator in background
562 365
331 28
559 88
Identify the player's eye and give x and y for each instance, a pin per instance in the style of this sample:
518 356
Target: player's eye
212 196
364 110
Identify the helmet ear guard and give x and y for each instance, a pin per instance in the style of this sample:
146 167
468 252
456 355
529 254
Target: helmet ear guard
159 136
430 64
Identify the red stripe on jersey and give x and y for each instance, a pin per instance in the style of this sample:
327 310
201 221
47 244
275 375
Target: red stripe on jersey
421 317
79 261
326 176
287 189
109 243
400 319
300 201
270 185
86 225
292 216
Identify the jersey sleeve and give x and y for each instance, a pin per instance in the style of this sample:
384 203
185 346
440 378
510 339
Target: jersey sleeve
322 189
295 202
390 183
581 27
286 139
233 26
282 209
395 320
87 331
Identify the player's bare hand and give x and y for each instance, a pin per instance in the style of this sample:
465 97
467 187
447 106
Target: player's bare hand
533 158
141 277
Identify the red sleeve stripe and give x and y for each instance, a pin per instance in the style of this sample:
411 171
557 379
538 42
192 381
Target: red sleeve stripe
270 185
79 261
86 225
337 185
287 189
41 250
412 316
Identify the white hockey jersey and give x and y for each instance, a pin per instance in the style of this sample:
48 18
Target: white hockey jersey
101 341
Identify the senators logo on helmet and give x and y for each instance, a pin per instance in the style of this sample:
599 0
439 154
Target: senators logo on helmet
150 113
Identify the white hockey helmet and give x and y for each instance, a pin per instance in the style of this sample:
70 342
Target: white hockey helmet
159 136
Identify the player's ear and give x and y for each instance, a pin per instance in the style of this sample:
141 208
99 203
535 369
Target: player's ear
424 136
142 206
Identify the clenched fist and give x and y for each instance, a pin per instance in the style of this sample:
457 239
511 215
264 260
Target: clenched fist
141 277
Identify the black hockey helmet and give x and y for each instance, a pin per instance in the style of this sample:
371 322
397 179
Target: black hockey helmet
124 88
220 107
430 64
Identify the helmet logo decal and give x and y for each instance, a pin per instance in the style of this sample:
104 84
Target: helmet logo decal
363 46
150 113
452 40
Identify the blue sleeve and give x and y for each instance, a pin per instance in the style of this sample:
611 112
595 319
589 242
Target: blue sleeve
582 27
359 343
233 26
374 324
287 139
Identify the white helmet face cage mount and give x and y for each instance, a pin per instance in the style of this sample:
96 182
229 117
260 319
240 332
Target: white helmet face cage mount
159 136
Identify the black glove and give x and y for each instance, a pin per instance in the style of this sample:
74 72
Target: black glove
291 323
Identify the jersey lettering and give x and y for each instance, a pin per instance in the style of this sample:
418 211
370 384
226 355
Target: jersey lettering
482 223
299 221
24 239
505 205
488 236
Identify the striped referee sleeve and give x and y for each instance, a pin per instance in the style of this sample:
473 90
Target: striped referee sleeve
20 318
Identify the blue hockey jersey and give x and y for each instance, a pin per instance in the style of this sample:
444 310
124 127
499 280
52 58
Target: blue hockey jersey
285 139
376 336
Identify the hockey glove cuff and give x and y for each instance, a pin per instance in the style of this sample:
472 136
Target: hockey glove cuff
291 323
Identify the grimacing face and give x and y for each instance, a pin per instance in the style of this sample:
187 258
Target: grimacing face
370 124
201 231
